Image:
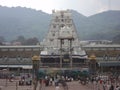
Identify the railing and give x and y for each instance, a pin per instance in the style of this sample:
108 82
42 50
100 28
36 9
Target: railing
65 65
108 59
15 61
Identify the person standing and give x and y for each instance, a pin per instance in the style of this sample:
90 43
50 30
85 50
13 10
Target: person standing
111 87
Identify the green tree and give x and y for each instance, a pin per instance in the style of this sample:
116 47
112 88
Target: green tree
31 41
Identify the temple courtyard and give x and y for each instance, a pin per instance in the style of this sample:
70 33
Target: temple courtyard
74 85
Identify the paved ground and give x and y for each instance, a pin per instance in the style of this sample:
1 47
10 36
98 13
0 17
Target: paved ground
75 85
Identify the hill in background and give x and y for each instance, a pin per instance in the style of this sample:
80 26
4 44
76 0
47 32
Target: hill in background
23 21
27 22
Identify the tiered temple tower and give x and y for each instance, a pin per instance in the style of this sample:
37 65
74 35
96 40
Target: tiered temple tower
61 44
62 25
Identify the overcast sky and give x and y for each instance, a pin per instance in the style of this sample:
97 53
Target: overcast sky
85 7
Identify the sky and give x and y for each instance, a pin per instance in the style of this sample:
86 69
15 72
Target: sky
85 7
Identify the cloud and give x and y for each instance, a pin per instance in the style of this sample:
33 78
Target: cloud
86 7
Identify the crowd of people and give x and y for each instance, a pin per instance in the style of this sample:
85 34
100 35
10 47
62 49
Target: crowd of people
96 82
104 82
